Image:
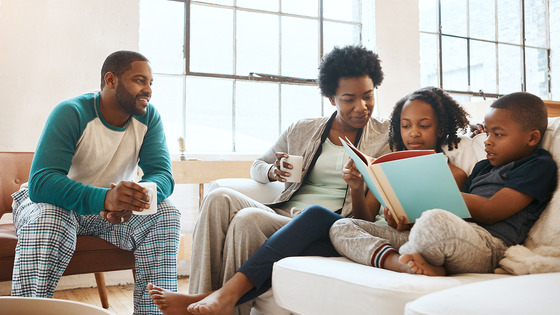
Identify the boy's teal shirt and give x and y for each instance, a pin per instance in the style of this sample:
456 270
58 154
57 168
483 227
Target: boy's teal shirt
79 155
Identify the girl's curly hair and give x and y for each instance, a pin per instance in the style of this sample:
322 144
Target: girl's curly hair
348 62
450 115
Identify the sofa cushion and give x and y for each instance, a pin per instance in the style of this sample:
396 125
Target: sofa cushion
309 285
531 294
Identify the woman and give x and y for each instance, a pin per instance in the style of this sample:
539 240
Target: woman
232 226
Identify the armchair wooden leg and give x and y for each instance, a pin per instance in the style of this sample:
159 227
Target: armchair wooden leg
102 289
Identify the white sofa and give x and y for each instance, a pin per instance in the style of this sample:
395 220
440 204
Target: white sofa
319 285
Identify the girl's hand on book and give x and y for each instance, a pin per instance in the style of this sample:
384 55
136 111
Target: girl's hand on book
352 176
399 225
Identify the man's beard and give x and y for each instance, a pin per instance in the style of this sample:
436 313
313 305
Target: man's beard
127 101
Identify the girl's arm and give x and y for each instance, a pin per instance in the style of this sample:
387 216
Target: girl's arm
503 204
458 174
364 206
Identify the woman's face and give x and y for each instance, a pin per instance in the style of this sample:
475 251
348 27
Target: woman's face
354 102
419 126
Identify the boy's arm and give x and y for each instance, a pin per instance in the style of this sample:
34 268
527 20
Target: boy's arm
503 204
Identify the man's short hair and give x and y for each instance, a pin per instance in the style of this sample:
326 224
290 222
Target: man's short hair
528 110
119 62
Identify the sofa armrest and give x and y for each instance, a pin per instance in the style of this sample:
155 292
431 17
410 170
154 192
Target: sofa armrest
264 193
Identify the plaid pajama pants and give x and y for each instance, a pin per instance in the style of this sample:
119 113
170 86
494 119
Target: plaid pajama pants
47 239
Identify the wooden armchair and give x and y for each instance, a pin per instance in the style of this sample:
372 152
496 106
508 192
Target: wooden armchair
92 255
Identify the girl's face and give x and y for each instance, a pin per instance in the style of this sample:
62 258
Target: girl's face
354 102
419 126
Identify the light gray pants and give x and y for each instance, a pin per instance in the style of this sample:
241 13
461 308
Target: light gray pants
230 228
442 238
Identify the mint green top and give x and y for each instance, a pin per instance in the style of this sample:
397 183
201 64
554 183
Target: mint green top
324 186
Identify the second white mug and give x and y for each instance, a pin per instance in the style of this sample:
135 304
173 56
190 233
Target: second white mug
295 172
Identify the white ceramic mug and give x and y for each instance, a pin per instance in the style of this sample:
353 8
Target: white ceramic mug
295 172
152 193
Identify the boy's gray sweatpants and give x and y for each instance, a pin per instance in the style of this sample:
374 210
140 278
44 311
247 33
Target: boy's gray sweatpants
442 238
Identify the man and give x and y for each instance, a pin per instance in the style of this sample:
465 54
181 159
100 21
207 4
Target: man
81 184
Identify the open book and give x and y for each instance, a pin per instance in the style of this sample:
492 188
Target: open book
410 182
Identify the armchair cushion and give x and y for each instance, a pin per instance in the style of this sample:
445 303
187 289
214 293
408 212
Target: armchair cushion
263 193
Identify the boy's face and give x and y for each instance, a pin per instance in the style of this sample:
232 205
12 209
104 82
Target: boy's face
506 141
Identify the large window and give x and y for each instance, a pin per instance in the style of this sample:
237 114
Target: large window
230 75
485 47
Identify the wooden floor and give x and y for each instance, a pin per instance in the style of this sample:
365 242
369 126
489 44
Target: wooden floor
120 297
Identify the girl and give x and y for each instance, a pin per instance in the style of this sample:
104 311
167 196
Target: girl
423 123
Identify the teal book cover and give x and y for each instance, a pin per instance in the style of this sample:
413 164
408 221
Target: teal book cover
410 184
421 183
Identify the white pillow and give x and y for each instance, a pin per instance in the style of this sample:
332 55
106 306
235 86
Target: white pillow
469 151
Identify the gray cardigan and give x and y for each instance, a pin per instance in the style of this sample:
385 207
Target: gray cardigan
304 138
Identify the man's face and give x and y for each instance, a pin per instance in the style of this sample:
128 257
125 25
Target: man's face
134 88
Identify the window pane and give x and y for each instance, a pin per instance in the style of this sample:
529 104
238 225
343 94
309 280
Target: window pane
223 2
509 21
211 43
167 97
510 69
454 60
454 17
257 43
483 66
256 116
267 5
299 101
429 60
482 17
535 23
338 34
300 47
428 15
309 8
536 68
343 10
209 115
555 47
161 35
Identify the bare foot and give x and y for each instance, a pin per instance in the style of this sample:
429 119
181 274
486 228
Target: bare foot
217 303
173 303
393 263
420 266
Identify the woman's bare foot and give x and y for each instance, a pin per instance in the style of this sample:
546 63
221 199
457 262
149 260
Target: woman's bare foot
217 303
222 301
173 303
420 266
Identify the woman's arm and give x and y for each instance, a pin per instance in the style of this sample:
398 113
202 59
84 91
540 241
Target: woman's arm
503 204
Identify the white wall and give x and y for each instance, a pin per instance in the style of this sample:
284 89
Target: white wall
397 42
52 50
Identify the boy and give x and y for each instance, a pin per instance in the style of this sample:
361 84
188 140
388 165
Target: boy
505 194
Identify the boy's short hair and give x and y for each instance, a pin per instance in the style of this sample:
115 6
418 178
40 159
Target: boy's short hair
528 110
119 62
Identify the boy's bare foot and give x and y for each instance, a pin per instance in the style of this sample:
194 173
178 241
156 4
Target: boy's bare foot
420 266
173 303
